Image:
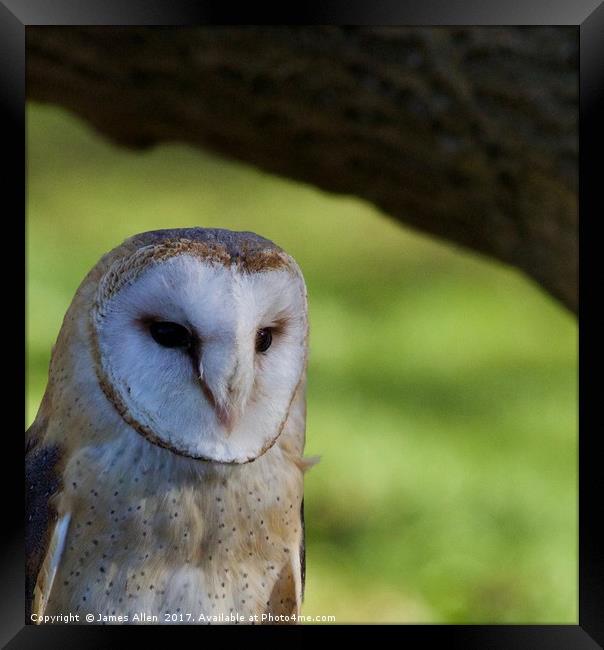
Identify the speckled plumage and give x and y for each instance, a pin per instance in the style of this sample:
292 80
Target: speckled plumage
150 528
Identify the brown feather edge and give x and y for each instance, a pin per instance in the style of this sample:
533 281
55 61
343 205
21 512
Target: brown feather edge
302 552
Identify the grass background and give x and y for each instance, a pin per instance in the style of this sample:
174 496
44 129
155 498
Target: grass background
442 387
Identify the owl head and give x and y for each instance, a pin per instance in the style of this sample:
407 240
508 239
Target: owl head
198 339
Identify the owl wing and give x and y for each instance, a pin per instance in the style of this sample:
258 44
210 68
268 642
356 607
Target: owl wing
288 591
45 532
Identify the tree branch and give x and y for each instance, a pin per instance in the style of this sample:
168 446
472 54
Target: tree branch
469 134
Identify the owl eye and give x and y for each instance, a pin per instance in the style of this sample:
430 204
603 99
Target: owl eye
170 335
264 338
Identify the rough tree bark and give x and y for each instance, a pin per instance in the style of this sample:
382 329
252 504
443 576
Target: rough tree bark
470 134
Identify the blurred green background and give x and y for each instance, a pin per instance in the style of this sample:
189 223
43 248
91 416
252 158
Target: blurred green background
442 390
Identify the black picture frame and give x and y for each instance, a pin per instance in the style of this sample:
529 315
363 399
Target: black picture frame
586 15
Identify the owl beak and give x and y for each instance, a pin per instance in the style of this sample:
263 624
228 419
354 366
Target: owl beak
224 381
224 412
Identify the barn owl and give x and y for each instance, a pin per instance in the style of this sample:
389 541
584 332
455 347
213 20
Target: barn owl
164 470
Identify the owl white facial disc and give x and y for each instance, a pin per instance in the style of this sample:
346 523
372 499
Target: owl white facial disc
201 348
